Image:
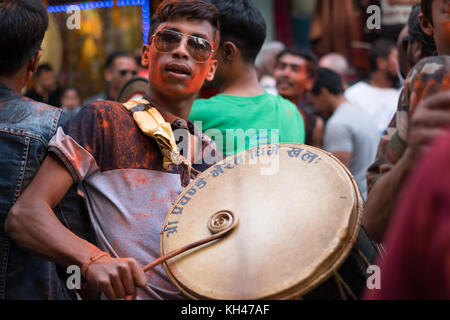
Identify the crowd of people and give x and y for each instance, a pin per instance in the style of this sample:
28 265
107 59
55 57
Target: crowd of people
76 176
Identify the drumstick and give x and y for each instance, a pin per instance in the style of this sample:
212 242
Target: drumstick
212 227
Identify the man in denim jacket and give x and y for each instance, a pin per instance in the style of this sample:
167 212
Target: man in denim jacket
26 127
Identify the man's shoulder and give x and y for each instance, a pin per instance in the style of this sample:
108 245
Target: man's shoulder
31 117
103 107
96 97
358 87
37 109
202 108
102 114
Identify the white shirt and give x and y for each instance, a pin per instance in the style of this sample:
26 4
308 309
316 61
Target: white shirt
380 104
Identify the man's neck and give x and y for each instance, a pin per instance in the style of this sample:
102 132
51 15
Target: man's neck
112 94
338 101
380 80
246 84
11 83
297 100
178 107
41 91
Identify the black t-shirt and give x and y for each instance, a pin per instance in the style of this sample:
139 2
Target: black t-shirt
54 99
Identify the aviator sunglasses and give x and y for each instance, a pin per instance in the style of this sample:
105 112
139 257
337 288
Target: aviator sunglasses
167 40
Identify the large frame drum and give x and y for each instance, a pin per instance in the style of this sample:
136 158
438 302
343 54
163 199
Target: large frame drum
299 211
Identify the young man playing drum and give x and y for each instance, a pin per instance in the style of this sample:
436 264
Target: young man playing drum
127 186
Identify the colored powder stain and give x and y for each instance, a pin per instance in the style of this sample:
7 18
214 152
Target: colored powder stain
141 215
105 124
446 26
121 220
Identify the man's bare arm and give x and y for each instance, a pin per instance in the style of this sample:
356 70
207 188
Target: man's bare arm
382 198
344 157
33 225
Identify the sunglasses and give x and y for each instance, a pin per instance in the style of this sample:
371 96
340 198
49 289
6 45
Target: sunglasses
199 49
123 73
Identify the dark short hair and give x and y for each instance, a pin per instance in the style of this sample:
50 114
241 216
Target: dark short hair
70 88
243 24
427 9
43 68
115 55
312 62
381 48
329 80
22 28
170 10
416 33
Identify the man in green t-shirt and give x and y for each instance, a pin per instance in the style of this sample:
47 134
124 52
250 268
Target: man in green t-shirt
243 115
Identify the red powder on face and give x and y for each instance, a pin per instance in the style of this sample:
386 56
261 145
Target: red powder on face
446 26
159 77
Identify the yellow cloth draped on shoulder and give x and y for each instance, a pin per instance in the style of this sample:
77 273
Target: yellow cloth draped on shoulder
152 123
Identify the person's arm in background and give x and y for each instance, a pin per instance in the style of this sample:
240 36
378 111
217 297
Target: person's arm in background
338 140
32 224
344 157
429 120
318 133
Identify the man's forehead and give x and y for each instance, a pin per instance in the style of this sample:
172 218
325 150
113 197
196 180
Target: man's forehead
120 61
292 59
198 28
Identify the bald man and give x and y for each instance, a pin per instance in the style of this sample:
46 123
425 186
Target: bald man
338 63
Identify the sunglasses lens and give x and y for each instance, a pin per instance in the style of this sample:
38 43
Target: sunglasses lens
167 40
200 49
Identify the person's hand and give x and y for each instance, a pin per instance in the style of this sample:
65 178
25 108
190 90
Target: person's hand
431 119
117 278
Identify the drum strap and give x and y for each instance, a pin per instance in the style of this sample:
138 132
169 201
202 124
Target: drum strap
343 285
152 124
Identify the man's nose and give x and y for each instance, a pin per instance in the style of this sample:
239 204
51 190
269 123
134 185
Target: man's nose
285 72
181 51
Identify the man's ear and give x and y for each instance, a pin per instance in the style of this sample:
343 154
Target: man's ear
309 83
417 51
229 51
212 70
324 92
144 55
34 63
382 63
426 25
108 75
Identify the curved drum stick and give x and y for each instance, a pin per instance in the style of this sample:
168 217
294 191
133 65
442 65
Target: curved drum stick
220 224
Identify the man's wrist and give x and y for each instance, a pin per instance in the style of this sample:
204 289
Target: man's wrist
95 257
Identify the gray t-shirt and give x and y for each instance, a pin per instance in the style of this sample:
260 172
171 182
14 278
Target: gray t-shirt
351 129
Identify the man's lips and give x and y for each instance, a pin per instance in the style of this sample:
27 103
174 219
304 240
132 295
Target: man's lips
178 70
284 84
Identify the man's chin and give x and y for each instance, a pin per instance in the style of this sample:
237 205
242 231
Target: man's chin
178 90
